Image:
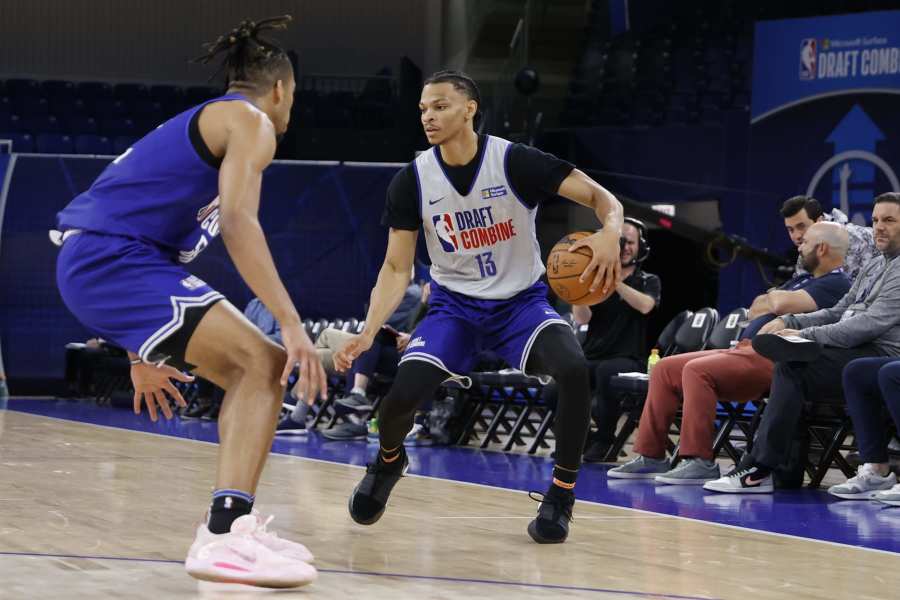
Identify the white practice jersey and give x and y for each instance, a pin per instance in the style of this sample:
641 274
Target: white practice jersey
482 244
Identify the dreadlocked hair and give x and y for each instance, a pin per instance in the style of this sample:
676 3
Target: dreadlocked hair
251 62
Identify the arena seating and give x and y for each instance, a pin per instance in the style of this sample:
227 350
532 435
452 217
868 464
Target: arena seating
92 117
507 408
693 66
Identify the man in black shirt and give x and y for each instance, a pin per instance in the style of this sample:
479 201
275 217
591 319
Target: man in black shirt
616 336
475 197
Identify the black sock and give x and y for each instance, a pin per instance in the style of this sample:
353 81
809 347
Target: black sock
563 478
228 505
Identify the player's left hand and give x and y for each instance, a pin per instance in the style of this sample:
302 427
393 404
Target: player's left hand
605 260
152 383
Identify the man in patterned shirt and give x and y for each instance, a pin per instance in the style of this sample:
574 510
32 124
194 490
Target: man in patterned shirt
800 212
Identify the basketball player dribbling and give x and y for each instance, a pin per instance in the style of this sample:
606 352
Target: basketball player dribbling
476 197
124 241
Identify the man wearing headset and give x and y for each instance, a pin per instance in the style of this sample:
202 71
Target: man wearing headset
617 333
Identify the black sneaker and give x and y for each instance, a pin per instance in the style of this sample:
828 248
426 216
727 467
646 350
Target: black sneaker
370 496
288 426
354 402
551 526
196 409
346 432
213 413
596 452
781 349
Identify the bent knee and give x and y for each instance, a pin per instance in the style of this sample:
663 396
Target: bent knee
257 357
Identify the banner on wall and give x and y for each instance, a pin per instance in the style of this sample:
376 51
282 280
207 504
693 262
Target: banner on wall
824 112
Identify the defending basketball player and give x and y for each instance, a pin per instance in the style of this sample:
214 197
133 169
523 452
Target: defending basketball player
476 197
120 271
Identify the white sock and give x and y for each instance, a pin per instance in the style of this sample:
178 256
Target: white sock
358 390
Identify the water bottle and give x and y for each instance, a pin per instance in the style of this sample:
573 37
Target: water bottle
372 430
652 360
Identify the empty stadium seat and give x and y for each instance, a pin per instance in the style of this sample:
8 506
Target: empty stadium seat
93 90
58 89
82 124
31 105
64 107
23 87
93 144
54 143
122 143
117 126
131 91
21 142
41 124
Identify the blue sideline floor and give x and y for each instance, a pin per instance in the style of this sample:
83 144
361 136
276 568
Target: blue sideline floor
805 513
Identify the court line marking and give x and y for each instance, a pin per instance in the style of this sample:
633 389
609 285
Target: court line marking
493 487
580 518
499 582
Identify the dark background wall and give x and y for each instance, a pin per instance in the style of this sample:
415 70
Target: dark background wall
152 40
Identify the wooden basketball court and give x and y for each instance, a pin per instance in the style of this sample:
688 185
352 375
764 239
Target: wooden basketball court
97 512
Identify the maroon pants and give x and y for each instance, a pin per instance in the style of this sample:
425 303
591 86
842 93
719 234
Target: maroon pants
699 379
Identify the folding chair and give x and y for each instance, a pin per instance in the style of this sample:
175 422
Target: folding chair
828 426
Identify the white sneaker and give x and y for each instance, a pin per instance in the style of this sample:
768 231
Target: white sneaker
270 540
891 496
742 481
240 557
864 485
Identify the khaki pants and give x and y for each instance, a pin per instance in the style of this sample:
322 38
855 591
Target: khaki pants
330 341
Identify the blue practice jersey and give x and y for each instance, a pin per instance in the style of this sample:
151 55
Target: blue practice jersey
160 191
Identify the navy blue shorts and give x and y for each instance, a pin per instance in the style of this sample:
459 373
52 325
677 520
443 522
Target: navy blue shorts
458 327
132 294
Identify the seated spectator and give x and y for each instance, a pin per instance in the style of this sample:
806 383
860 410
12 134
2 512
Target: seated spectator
862 324
329 341
616 338
737 374
384 355
869 385
800 212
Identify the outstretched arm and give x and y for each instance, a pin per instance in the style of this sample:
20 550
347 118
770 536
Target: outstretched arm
250 147
393 279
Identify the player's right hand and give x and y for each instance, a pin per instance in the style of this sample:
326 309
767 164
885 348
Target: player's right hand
152 383
344 357
302 353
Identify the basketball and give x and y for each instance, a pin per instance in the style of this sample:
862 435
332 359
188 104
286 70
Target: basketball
564 267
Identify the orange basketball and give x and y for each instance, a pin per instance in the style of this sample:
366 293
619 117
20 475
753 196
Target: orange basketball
565 267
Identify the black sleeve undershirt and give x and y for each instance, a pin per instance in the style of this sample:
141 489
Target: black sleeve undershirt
535 177
401 210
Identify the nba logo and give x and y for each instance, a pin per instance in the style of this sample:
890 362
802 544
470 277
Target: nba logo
808 57
443 227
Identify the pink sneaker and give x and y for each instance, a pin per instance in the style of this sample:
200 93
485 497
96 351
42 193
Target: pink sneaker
270 540
240 557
